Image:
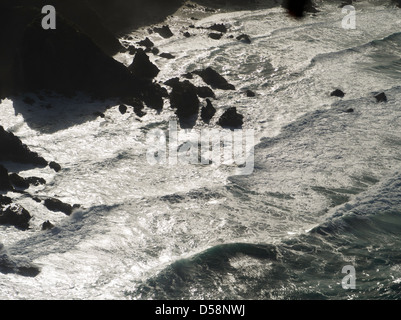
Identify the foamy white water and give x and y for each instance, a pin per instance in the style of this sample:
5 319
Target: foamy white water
140 226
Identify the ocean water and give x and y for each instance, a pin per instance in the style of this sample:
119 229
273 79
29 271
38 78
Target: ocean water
324 192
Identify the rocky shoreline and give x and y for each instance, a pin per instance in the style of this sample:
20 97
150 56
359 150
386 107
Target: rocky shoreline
77 57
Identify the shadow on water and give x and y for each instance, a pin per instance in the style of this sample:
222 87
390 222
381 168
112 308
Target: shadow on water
54 113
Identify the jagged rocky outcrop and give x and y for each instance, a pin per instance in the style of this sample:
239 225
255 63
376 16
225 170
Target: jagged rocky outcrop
184 98
142 68
231 119
15 215
12 149
56 205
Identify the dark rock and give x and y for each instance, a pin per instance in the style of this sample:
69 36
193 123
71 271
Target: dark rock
218 27
137 105
5 184
297 8
55 166
4 200
36 199
122 108
188 75
215 36
381 97
205 92
186 34
250 93
132 50
18 182
18 266
35 181
12 149
47 225
56 205
208 112
349 110
244 38
99 114
67 61
16 216
172 82
167 55
142 68
155 51
164 31
153 95
337 93
146 43
184 98
214 79
231 119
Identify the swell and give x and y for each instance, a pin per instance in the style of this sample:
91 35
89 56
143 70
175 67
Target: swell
363 233
391 43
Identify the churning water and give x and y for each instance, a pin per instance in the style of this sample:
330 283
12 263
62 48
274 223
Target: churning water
324 193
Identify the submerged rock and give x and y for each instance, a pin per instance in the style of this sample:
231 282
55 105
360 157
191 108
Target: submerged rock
166 55
231 119
215 36
244 38
381 97
19 266
47 225
218 27
214 79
